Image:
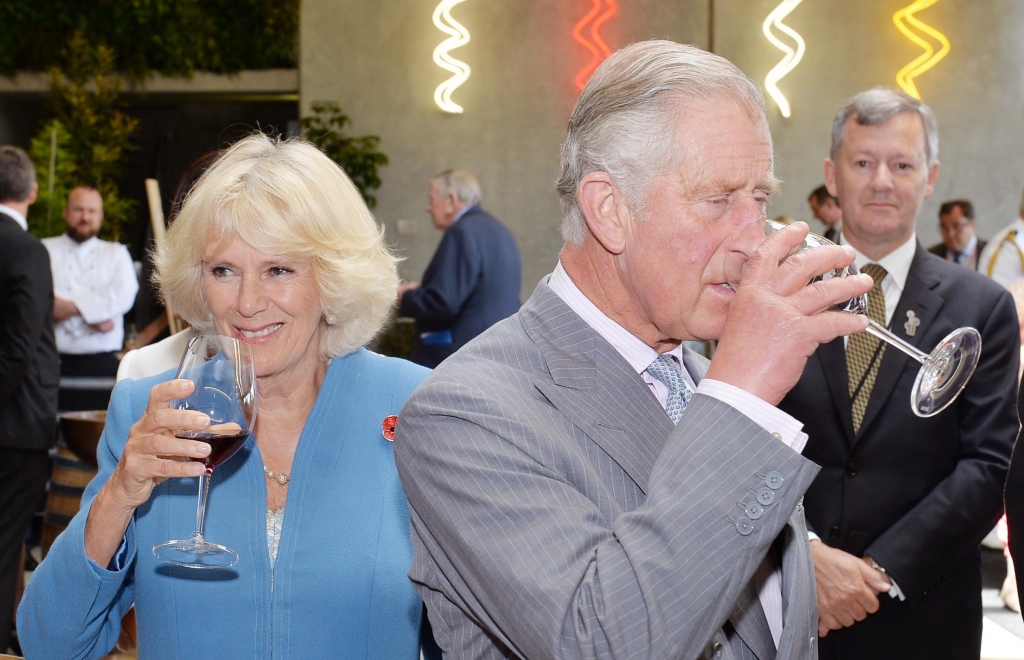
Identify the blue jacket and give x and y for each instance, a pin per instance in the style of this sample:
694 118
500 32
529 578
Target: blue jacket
340 586
472 282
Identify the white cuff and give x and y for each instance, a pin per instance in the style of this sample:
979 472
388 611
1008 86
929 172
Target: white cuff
784 427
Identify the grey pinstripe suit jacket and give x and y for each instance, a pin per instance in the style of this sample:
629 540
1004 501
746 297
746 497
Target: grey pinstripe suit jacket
557 513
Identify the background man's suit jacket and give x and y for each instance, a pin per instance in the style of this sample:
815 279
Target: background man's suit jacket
940 250
917 495
558 512
29 364
472 282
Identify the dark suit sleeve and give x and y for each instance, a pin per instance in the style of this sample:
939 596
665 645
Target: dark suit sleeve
28 308
454 272
952 519
1015 501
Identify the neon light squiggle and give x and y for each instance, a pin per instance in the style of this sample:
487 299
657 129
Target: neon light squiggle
599 50
791 58
927 59
457 36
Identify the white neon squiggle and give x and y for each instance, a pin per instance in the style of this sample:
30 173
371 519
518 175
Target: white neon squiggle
457 36
791 59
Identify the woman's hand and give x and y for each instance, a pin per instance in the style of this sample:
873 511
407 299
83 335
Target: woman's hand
151 455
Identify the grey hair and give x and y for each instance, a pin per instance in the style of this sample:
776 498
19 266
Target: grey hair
877 106
460 182
16 175
624 124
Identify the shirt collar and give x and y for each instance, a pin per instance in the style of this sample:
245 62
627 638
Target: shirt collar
638 354
19 218
464 211
896 263
971 245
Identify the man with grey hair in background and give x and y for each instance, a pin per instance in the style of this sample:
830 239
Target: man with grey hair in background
473 279
902 501
29 371
581 485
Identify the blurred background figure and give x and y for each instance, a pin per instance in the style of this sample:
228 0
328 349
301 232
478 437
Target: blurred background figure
29 372
825 208
94 286
1003 257
960 241
474 278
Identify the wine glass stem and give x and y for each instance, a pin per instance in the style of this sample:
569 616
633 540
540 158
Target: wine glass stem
878 330
204 492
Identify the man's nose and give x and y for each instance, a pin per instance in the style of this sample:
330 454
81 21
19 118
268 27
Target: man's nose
751 232
882 178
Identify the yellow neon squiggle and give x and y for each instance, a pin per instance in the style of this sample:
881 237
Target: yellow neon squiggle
791 58
927 59
457 36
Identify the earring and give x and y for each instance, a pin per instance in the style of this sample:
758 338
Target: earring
331 319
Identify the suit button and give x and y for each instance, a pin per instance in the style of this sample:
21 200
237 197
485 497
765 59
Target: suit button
851 469
774 480
717 652
744 526
754 510
765 496
833 534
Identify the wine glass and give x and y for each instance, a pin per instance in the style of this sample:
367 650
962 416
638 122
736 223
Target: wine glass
944 372
223 371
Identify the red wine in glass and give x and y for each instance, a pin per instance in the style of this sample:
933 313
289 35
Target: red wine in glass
222 447
224 374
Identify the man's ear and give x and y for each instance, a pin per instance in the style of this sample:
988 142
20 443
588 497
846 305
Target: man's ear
604 210
830 178
933 176
31 199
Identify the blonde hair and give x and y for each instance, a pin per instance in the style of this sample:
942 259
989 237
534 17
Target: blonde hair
285 198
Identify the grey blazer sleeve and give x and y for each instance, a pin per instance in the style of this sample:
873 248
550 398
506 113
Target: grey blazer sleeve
504 533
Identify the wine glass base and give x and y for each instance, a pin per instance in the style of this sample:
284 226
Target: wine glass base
195 553
945 372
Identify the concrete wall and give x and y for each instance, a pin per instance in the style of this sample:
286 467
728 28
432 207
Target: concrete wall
374 58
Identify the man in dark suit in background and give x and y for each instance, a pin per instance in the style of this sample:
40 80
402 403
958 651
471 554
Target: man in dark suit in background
908 496
474 278
960 241
825 208
29 371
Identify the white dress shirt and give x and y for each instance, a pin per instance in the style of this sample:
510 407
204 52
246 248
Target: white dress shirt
99 277
19 218
639 355
1003 259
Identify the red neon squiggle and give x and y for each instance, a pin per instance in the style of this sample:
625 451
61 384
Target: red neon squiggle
599 50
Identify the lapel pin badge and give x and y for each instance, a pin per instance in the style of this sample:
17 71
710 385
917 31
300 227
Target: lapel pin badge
912 323
388 427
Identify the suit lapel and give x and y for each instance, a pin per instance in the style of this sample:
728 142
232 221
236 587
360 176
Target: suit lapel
831 358
751 624
918 297
594 386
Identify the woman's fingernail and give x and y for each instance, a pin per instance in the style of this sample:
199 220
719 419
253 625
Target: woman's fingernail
202 420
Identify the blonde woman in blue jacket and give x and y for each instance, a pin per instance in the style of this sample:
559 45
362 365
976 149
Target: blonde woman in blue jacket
275 247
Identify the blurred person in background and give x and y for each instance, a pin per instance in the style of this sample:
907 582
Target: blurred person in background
472 281
1003 257
960 241
825 208
276 248
29 372
94 286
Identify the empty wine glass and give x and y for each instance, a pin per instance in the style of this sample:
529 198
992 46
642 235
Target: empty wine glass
223 371
944 372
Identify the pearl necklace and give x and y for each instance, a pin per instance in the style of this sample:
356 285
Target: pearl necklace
279 477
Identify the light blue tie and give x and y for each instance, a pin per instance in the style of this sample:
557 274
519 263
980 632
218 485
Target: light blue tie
664 369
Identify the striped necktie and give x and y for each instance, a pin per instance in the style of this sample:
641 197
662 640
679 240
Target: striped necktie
665 370
863 352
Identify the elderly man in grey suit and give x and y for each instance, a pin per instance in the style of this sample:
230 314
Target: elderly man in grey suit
582 486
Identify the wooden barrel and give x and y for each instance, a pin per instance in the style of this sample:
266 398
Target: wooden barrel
68 480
